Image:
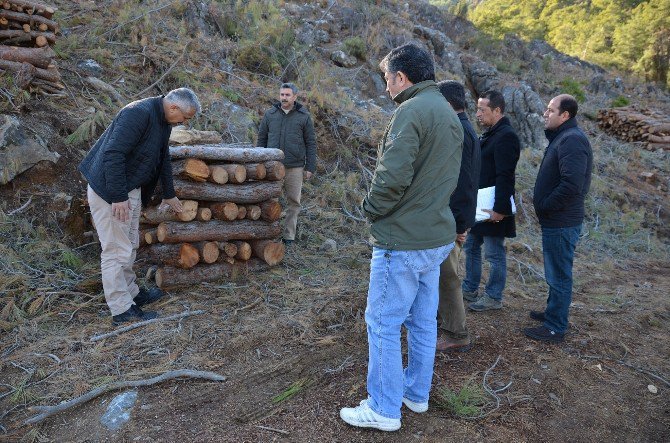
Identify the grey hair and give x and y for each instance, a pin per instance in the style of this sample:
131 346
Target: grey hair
290 86
185 98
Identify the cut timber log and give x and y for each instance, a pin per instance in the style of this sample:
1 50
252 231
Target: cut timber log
34 7
227 153
153 216
50 74
271 252
192 168
38 57
224 211
250 192
274 170
208 250
236 173
105 88
183 255
204 214
243 250
270 210
184 136
21 17
218 174
150 236
228 248
170 277
241 212
255 171
215 230
253 212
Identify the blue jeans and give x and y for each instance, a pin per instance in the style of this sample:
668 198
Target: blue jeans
494 250
403 291
558 249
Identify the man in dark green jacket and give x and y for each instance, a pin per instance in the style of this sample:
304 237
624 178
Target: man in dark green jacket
413 231
288 126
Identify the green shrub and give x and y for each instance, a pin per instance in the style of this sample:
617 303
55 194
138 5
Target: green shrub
467 402
620 101
574 88
356 46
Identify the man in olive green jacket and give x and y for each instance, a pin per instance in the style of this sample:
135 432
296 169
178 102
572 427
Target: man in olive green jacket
413 231
288 126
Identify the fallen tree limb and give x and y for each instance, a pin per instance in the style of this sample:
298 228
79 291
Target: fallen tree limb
144 323
50 74
48 411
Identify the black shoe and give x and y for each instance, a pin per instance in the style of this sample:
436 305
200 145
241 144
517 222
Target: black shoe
133 314
537 315
543 333
144 297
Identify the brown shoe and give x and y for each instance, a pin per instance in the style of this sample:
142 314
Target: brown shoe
448 344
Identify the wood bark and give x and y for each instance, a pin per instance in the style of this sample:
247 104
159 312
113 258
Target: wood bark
150 236
183 255
253 212
243 250
215 230
34 7
274 170
208 250
21 17
224 211
228 248
236 173
241 212
270 210
250 192
153 216
255 171
38 57
204 214
218 174
11 33
191 168
271 252
170 277
50 74
227 153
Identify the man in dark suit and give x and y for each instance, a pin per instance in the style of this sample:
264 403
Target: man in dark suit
500 153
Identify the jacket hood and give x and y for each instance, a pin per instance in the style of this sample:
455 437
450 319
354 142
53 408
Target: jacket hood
552 133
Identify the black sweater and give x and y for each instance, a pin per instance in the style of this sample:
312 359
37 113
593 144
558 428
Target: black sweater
463 201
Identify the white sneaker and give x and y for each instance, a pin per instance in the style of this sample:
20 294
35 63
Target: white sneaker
414 406
364 417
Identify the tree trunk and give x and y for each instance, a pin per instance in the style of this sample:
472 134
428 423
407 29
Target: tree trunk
270 210
208 250
153 216
236 173
50 74
192 168
33 7
243 250
11 33
218 174
182 255
253 212
274 170
252 192
227 153
228 248
170 277
255 171
21 17
271 252
214 230
38 57
204 214
224 211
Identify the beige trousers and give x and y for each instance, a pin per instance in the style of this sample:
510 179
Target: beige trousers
119 242
451 311
292 190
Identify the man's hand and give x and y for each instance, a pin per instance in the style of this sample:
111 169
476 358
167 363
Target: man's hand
121 211
460 238
307 175
173 203
495 217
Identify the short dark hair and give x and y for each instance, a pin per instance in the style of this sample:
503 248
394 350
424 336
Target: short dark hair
454 92
496 100
290 86
568 104
412 60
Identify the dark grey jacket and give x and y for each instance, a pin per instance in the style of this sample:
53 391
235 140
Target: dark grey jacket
293 133
132 153
564 177
463 201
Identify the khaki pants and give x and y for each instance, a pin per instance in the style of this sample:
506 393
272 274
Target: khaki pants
451 312
292 190
119 242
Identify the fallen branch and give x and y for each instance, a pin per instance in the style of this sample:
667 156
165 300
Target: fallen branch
164 74
21 208
144 323
281 431
628 365
48 411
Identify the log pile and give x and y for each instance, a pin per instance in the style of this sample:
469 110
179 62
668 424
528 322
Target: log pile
26 32
637 125
230 221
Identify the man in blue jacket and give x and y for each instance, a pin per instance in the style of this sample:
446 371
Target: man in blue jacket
122 170
561 186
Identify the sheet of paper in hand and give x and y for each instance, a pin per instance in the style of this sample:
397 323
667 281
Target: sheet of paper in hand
485 199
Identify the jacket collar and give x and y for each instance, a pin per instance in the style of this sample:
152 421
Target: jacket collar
412 91
160 108
551 134
296 107
502 122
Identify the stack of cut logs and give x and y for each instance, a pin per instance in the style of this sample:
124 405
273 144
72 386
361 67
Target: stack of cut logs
633 124
26 31
230 221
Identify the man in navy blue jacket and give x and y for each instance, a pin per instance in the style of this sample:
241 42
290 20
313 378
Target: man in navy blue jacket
122 170
561 186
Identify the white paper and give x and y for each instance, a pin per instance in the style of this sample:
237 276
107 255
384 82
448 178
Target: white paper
485 199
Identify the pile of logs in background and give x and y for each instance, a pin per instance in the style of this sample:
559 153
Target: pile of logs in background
26 33
637 125
230 222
